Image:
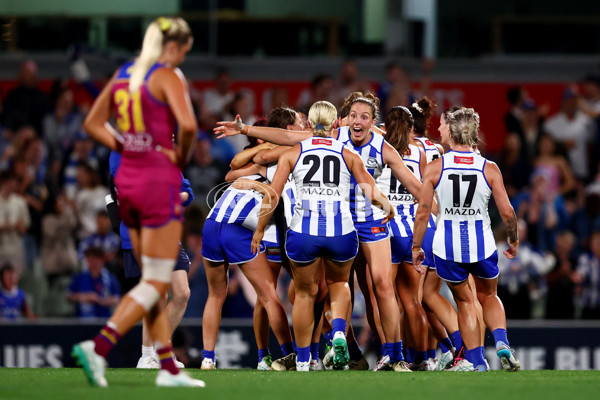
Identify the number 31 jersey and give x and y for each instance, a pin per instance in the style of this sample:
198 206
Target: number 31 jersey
322 189
463 231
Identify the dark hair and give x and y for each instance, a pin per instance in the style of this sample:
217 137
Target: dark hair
423 115
253 142
5 176
94 252
367 98
6 267
91 172
398 123
345 109
318 79
281 117
514 95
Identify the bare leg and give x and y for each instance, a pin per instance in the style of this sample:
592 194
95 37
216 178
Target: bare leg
467 318
218 279
408 283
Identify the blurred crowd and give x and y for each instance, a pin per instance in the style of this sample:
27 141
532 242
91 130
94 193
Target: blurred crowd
59 256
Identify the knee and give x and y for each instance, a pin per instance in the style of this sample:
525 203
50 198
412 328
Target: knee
485 296
181 296
383 286
307 290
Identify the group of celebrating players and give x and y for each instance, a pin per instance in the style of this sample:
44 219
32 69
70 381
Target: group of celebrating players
343 198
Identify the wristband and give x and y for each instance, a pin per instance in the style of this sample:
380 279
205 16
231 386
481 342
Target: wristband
244 130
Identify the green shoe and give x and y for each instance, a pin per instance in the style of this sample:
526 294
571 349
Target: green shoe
341 356
265 363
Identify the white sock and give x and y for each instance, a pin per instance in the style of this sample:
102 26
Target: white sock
148 351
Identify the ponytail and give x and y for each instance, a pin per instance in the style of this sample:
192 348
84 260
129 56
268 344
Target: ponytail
322 116
159 32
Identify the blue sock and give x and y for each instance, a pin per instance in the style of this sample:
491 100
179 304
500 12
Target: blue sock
314 351
208 354
457 340
420 356
287 348
303 354
354 350
338 325
328 337
262 353
398 356
475 356
445 345
431 353
378 347
500 336
387 350
483 352
410 355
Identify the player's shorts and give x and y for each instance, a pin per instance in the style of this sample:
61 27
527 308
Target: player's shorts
222 242
148 200
304 248
458 272
132 267
273 251
372 231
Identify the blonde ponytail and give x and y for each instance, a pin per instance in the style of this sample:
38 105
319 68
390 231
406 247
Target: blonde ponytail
158 33
321 116
464 126
151 51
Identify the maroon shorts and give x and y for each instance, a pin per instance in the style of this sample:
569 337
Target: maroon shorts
149 199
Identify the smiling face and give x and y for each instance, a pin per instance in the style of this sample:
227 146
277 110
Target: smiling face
360 120
444 130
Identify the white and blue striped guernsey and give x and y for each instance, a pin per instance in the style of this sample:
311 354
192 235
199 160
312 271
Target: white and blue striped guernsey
371 154
432 152
463 233
322 184
288 195
238 206
404 202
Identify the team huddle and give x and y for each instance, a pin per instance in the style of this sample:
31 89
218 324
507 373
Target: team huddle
343 199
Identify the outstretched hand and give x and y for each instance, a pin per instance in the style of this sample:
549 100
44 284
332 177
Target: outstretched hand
229 128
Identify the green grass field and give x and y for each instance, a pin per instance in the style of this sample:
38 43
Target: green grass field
131 384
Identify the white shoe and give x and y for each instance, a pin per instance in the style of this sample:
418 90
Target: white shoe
421 366
507 358
384 364
433 362
303 366
166 379
178 363
148 362
93 365
462 366
265 363
445 361
315 365
328 359
208 363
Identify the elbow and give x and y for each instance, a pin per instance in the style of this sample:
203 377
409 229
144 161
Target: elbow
188 127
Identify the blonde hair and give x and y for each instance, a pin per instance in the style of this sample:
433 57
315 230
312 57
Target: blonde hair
159 32
321 116
464 126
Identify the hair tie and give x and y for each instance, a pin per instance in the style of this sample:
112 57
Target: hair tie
164 24
417 107
319 127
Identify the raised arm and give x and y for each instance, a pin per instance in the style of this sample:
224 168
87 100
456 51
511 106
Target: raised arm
248 169
269 156
432 174
494 177
284 168
272 135
367 184
245 156
401 171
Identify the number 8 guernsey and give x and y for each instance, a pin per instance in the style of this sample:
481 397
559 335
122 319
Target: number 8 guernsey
463 231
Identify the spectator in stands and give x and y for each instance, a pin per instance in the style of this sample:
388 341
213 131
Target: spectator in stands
243 106
14 222
531 123
217 98
26 104
58 244
348 82
103 238
573 129
542 207
89 199
587 279
589 103
83 152
395 90
95 291
515 168
513 118
520 276
560 281
13 303
556 166
204 171
321 88
61 125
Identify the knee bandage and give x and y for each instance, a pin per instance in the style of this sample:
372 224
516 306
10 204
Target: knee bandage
145 295
157 269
